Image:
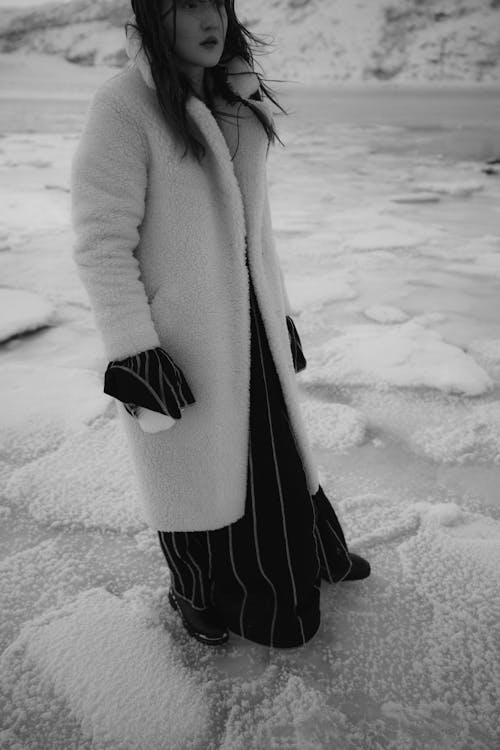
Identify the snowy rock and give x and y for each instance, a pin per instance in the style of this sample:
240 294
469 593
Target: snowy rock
426 40
405 40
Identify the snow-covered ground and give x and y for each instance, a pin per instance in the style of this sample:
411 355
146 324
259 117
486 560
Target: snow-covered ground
388 227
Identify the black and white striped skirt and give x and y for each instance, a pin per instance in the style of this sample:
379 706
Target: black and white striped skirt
263 571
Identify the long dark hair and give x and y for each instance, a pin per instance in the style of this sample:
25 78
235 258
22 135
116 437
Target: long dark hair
173 86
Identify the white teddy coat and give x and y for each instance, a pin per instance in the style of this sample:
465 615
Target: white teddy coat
160 248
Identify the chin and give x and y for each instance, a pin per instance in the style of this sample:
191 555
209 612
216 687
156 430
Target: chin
210 60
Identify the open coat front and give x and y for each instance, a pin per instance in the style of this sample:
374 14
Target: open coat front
160 248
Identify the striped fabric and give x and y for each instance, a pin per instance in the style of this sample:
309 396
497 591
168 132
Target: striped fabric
263 572
150 379
299 361
153 380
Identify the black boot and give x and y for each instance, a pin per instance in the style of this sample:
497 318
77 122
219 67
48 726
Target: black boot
202 624
360 568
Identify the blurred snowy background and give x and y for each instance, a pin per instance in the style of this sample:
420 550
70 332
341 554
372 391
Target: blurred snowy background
386 212
314 40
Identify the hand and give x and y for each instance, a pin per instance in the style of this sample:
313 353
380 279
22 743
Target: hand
153 421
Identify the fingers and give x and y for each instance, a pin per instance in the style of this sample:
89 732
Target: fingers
153 421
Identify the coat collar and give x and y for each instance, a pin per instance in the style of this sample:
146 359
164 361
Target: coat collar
243 81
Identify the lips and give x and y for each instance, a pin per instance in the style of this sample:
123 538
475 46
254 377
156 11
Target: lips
210 39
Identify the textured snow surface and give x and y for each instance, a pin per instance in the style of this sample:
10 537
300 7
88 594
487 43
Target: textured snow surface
404 355
21 312
396 304
385 314
102 470
335 426
116 669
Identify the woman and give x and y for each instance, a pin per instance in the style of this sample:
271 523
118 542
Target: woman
174 245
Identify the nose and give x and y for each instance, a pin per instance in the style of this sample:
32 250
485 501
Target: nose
210 17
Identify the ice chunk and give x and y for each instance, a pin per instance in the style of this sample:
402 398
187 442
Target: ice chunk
403 355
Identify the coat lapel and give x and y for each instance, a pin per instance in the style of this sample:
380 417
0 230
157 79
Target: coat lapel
228 182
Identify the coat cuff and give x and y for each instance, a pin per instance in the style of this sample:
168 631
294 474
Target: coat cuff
299 361
150 379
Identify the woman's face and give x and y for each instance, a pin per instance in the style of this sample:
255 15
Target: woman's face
195 21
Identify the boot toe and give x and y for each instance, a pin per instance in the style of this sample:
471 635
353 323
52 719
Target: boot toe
360 568
204 625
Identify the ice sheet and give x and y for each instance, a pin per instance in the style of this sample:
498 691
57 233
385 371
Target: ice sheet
396 303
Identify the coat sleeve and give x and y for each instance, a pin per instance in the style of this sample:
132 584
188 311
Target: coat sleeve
150 379
108 188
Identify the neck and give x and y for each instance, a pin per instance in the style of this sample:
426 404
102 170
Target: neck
204 90
197 80
198 84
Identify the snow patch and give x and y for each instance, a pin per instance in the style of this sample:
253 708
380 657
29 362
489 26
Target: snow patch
385 239
460 189
291 715
308 291
414 198
336 427
484 264
466 435
404 355
42 405
459 643
487 353
117 669
385 314
97 490
22 312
